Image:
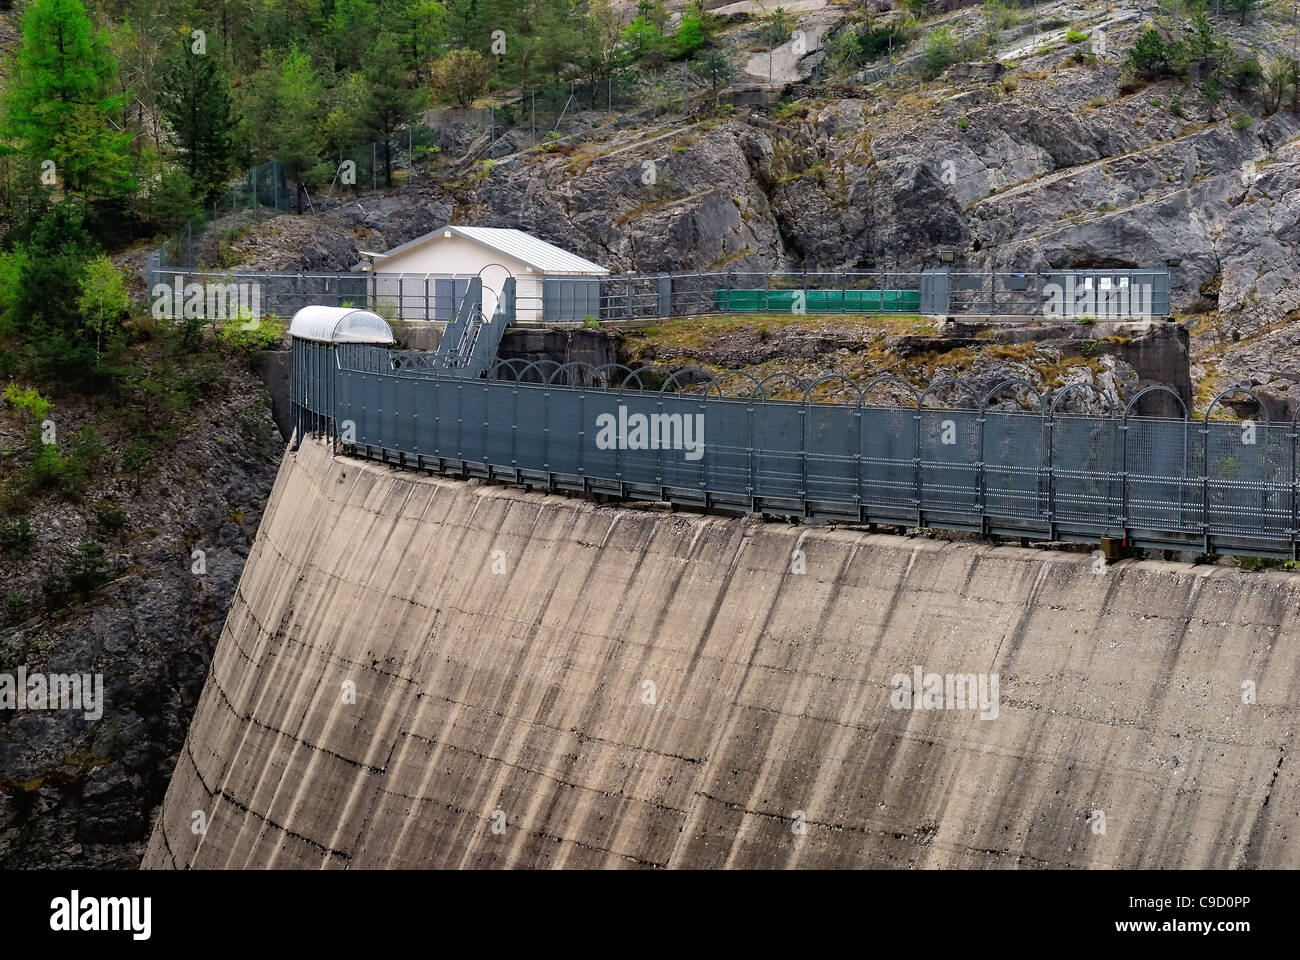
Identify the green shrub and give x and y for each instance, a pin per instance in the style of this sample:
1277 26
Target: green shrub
137 458
1245 75
998 16
1263 563
1242 122
940 52
16 538
695 30
28 401
84 567
1075 36
1153 57
110 515
51 470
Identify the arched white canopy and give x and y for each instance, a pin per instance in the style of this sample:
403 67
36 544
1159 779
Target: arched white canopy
340 325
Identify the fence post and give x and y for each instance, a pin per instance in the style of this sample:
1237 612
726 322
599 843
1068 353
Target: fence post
514 424
916 466
582 434
704 450
659 458
803 454
753 472
1123 474
1051 471
618 447
1291 534
546 430
1205 478
857 456
437 418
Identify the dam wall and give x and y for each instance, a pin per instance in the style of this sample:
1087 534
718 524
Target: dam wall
425 672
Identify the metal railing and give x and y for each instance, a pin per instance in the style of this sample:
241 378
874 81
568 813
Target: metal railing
1069 295
659 296
730 442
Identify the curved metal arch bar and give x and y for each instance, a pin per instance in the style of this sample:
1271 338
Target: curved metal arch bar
672 380
562 368
650 368
1157 387
1241 388
1060 394
1012 382
537 363
945 382
807 394
600 372
508 364
762 385
892 378
727 376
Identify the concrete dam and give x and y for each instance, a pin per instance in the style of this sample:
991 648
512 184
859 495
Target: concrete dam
426 672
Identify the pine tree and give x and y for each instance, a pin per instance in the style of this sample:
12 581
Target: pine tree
195 100
296 127
59 106
389 103
421 28
49 319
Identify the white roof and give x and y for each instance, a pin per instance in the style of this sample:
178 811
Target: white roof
524 247
339 325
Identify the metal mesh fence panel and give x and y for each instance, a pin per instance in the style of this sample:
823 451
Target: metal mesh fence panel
778 433
564 422
1162 469
949 451
1247 487
728 451
1012 454
532 442
832 442
888 450
1157 480
677 428
1084 469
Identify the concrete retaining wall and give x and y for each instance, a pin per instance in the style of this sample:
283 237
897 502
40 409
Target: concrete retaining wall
524 692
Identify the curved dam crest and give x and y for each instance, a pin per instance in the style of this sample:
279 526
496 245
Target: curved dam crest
502 719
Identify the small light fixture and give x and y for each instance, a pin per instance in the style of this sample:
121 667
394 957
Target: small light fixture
446 233
946 254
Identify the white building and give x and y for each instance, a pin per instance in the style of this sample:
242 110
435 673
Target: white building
425 278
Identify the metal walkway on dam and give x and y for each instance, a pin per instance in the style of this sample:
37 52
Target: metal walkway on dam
1209 484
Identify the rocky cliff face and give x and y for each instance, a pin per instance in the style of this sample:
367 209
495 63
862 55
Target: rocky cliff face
1035 158
76 792
1030 180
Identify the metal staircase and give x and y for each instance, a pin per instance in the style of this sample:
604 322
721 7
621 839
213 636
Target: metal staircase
469 344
